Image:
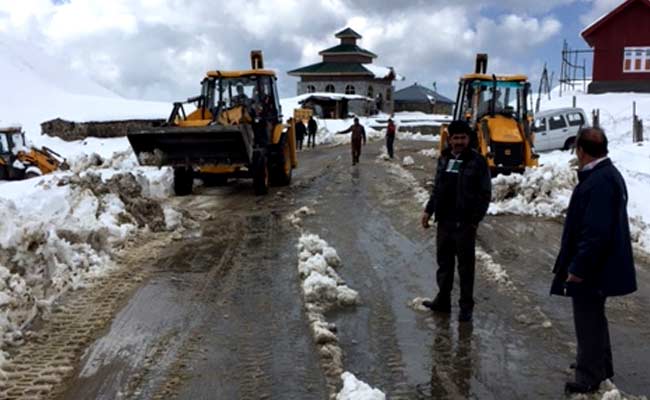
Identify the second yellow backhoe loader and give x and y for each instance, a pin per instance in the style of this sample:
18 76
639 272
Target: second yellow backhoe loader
496 107
236 130
18 161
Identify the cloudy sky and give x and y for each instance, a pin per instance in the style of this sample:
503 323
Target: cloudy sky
159 49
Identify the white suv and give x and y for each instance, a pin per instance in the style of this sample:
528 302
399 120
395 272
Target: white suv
557 129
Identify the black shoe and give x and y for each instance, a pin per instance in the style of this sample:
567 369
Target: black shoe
573 365
437 307
465 316
575 387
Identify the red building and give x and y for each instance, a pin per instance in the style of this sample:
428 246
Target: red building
621 43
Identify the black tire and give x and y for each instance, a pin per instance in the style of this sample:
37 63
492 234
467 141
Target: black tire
183 181
260 174
31 174
283 170
3 173
570 142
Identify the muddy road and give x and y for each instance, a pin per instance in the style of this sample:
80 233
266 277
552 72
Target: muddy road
216 313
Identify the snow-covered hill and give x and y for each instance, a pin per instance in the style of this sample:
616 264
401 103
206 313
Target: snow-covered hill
37 87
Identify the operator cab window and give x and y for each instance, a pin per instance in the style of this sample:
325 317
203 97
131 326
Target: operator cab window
4 145
239 92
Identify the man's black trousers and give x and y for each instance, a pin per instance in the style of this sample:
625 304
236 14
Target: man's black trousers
456 245
390 141
594 358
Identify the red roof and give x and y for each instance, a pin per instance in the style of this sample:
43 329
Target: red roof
588 31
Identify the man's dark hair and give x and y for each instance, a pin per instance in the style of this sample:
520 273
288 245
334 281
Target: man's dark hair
592 141
459 127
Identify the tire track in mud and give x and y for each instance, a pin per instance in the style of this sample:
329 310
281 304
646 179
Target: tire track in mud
37 369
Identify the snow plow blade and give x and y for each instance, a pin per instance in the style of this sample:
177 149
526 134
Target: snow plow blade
193 146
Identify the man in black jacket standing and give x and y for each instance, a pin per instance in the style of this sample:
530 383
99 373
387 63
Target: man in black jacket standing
312 128
460 198
595 259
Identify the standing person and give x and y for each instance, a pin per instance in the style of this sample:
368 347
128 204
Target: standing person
358 136
595 259
300 133
390 137
312 127
460 198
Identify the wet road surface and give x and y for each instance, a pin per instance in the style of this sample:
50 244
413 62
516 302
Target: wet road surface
219 316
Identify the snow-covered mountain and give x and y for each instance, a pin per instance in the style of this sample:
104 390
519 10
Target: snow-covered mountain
37 87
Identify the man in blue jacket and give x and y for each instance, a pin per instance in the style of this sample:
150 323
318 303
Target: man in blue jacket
595 259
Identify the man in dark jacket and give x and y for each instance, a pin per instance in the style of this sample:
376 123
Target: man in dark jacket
358 137
300 133
595 259
312 127
390 137
460 198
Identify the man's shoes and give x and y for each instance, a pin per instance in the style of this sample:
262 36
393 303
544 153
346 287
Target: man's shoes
437 307
465 316
575 387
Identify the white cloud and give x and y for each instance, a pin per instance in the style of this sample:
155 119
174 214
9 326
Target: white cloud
160 49
599 9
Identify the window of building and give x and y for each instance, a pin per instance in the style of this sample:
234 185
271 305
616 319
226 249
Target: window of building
371 92
311 89
539 125
388 94
637 59
349 89
330 88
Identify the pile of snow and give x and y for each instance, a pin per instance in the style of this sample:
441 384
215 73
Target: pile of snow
543 191
432 152
354 389
322 287
296 217
408 161
493 269
61 229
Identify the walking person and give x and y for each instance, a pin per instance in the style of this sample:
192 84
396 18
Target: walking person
312 128
358 136
595 259
300 133
390 137
459 200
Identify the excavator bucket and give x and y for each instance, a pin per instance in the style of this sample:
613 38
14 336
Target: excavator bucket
193 146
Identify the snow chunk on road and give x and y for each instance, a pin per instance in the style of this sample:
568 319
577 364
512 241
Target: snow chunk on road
296 217
542 192
408 161
354 389
322 286
432 152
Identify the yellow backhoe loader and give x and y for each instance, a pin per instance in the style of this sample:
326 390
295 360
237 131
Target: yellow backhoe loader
17 161
496 107
236 130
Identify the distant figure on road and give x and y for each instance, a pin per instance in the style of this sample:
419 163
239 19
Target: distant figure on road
312 127
300 133
390 137
595 259
358 136
460 198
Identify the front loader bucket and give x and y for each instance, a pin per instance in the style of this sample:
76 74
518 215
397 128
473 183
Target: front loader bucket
193 146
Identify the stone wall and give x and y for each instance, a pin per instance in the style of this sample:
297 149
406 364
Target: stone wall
70 130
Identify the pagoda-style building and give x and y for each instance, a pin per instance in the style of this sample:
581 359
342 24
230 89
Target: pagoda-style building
348 69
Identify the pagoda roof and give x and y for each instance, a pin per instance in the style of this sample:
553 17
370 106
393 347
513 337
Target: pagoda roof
348 49
348 33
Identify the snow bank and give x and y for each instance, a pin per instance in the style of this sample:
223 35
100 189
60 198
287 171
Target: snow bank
543 191
296 217
354 389
59 230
